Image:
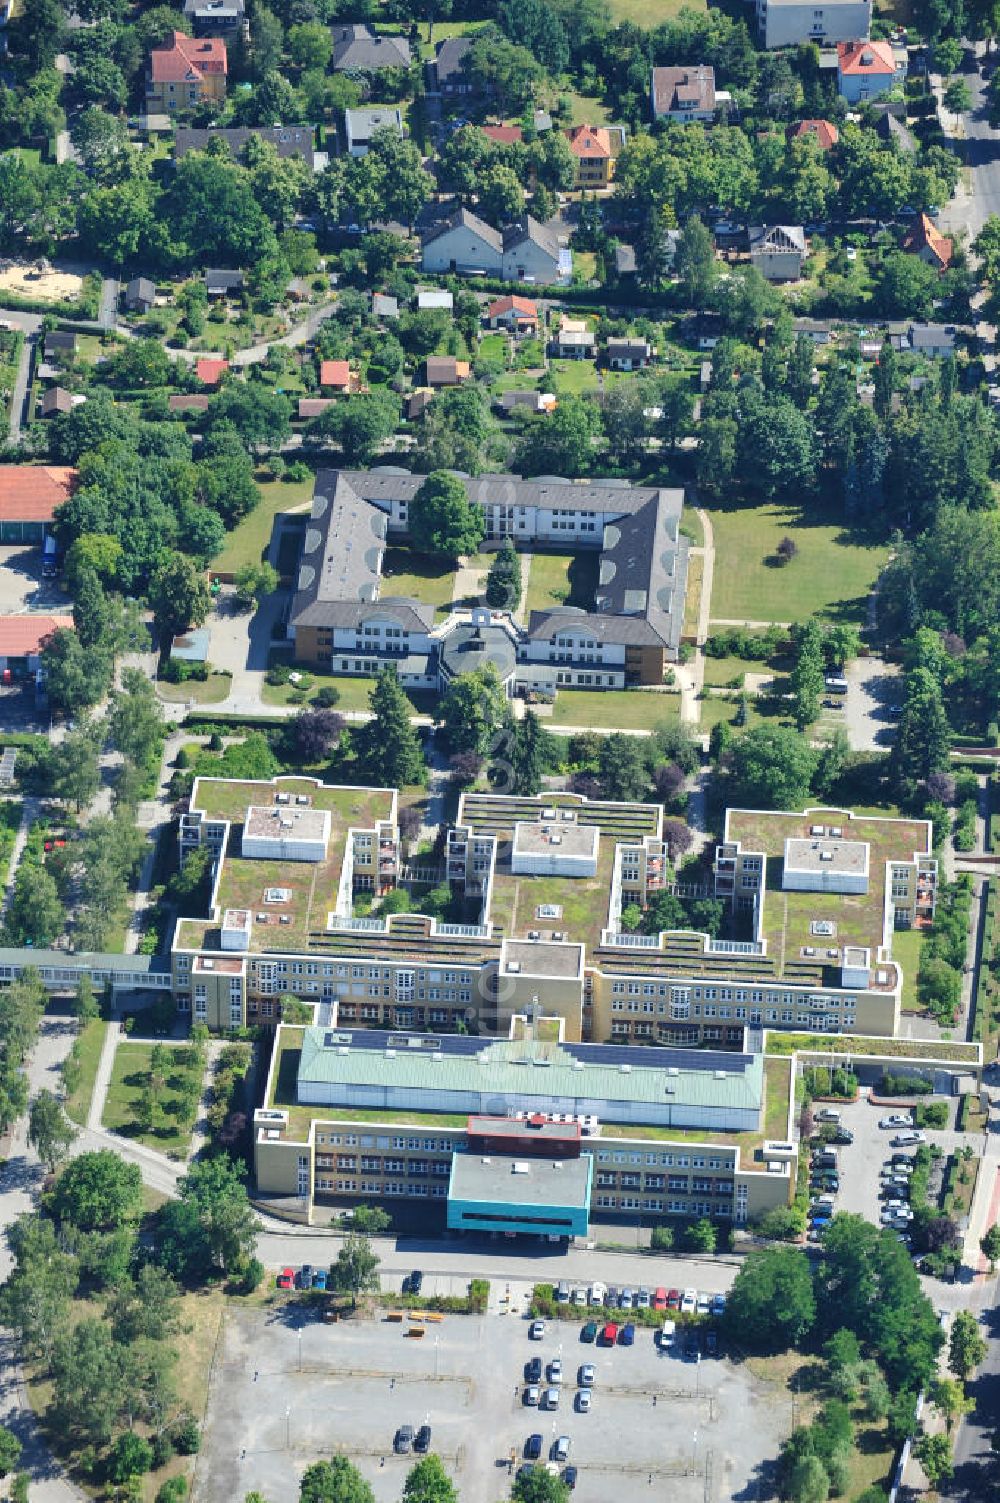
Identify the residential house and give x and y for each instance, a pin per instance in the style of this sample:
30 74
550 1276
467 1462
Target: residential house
925 240
629 354
683 93
815 329
360 125
531 253
188 401
574 340
357 635
22 638
54 401
187 72
288 141
357 49
217 18
417 403
220 283
823 132
430 299
896 134
191 646
503 135
445 370
465 244
210 372
790 23
336 375
936 341
517 314
447 74
526 401
867 69
312 407
595 150
29 495
60 345
778 251
624 261
140 295
384 306
298 289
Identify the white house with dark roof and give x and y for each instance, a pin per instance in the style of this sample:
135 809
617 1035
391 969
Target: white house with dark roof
360 125
463 244
778 251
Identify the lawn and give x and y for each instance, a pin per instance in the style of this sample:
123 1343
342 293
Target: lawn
248 542
494 347
561 579
692 600
171 1130
906 947
430 580
571 377
614 709
210 691
354 692
90 1042
830 575
650 13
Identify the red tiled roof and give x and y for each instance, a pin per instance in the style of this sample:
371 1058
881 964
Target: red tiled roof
31 492
865 58
925 235
211 372
335 373
825 133
504 135
589 141
187 58
21 635
512 304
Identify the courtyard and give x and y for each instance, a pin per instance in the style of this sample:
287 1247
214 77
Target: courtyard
287 1390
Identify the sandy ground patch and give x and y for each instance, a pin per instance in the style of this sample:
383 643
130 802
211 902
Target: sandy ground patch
29 281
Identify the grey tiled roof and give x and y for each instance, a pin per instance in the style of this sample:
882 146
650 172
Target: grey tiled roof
466 219
632 631
411 615
342 550
357 47
530 229
288 140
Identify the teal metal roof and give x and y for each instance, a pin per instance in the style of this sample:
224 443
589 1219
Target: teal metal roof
528 1068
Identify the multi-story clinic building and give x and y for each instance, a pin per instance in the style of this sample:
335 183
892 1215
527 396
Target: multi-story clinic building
539 885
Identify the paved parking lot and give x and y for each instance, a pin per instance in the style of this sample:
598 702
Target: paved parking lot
22 587
285 1392
861 1161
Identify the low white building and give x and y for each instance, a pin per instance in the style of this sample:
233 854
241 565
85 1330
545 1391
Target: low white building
558 847
286 831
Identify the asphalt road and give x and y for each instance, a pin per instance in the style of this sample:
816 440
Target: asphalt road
982 156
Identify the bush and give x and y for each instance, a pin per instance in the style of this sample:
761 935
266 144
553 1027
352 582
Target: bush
661 1238
187 1436
326 698
130 1456
930 1114
163 1449
278 675
174 1490
251 1276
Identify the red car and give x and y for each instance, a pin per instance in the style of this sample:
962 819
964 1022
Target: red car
286 1278
609 1335
659 1299
673 1299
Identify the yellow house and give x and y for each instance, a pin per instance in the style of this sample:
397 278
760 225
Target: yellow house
595 148
185 73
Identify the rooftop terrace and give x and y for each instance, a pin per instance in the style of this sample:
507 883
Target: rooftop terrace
497 814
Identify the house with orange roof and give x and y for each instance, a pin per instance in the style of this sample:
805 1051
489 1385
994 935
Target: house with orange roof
186 72
22 638
210 372
867 69
503 135
336 375
925 240
29 495
823 132
595 149
518 314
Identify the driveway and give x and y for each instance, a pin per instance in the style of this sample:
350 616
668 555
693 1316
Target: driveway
873 692
241 642
22 587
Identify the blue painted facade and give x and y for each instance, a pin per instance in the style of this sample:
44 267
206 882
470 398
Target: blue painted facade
533 1219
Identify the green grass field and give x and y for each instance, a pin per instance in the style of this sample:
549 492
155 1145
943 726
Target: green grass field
91 1042
210 691
248 541
429 580
613 709
170 1132
650 13
830 575
906 947
353 692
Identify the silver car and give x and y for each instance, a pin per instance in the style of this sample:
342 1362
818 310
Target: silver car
550 1399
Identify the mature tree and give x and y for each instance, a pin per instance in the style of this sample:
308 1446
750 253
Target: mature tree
388 182
428 1482
472 709
623 418
35 1299
716 463
358 424
356 1269
958 96
809 1481
10 1450
442 519
36 915
777 446
253 581
770 767
316 733
258 413
935 1456
495 65
97 1191
948 1397
76 677
179 595
458 432
771 1304
503 582
623 768
91 1380
501 197
215 1189
923 738
85 1005
694 263
530 754
388 745
539 1486
676 404
335 1481
50 1131
990 1245
560 443
807 674
135 720
966 1347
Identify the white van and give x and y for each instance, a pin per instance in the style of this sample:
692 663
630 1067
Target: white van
828 1114
667 1333
598 1294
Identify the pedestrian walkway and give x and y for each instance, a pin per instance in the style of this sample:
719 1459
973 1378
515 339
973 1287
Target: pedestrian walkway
29 813
201 1132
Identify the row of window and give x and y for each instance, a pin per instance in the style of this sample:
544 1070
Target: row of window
678 1184
682 994
682 1011
670 1207
375 1187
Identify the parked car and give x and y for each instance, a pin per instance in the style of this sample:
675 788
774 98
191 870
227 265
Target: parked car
659 1299
673 1299
569 1477
609 1334
536 1330
625 1299
585 1375
584 1400
403 1440
843 1135
579 1296
665 1336
627 1336
589 1331
533 1447
562 1293
533 1370
642 1299
422 1439
560 1448
711 1342
304 1277
319 1279
550 1399
286 1278
531 1395
414 1283
703 1304
689 1301
598 1293
554 1370
907 1139
896 1119
718 1304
